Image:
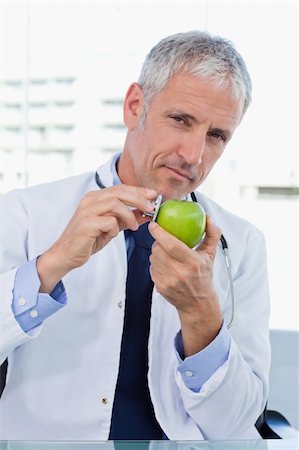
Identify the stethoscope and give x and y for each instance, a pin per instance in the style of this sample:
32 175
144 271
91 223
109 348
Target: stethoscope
223 244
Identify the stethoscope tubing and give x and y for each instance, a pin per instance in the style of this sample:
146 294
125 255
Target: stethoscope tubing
229 270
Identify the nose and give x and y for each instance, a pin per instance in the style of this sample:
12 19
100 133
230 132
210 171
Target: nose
192 148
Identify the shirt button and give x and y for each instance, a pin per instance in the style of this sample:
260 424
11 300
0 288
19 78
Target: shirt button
120 305
21 301
189 373
33 313
105 401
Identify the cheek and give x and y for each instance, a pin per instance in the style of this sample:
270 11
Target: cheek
162 139
212 155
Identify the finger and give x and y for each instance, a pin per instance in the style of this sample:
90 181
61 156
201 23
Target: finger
104 230
95 226
160 264
169 243
136 197
157 275
210 242
160 259
114 207
111 206
106 224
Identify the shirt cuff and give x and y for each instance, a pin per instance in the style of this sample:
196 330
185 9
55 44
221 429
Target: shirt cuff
29 306
198 368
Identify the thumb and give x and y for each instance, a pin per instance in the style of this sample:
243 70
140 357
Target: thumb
211 239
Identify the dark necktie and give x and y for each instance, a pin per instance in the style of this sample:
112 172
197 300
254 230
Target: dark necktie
133 415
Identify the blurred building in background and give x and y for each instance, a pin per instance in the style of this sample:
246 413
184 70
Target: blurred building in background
50 128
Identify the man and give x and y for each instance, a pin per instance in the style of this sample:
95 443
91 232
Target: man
123 359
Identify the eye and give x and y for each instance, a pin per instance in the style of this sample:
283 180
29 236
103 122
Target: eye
217 135
181 120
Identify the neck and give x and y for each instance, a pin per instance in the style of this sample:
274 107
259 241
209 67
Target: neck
125 170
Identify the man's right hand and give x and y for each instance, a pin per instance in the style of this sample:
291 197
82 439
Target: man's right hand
100 216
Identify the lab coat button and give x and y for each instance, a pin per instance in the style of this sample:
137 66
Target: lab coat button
21 301
33 313
104 401
189 373
120 305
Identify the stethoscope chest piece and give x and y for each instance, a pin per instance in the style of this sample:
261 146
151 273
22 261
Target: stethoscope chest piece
157 205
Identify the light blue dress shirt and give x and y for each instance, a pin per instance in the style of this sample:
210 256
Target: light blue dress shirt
31 308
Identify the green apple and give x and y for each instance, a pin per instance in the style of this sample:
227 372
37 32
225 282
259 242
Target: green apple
183 219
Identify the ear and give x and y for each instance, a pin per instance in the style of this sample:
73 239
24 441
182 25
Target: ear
133 105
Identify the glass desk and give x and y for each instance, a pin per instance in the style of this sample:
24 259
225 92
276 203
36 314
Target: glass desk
275 444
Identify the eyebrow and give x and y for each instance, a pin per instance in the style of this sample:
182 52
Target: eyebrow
172 112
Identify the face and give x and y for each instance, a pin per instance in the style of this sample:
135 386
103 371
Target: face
187 127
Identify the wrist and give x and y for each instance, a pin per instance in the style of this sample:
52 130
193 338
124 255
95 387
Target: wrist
50 271
194 343
199 329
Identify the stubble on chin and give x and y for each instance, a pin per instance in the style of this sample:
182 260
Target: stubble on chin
169 189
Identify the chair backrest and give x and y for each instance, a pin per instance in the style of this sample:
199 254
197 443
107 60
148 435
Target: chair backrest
3 371
284 375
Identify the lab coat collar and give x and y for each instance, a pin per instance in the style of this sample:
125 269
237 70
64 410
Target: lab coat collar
105 171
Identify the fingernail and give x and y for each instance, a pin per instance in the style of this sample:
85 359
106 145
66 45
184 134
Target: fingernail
151 192
152 225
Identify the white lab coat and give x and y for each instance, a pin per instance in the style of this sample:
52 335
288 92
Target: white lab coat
62 375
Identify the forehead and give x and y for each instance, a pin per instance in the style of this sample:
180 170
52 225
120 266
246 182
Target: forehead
199 97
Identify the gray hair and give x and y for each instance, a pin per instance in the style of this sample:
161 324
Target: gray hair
197 53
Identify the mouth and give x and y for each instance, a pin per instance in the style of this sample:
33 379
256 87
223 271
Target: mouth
179 174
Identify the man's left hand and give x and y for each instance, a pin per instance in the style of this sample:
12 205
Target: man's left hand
185 278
